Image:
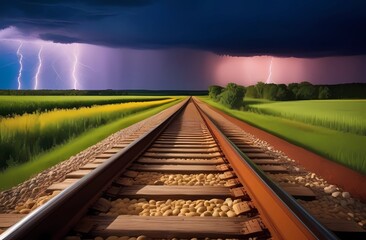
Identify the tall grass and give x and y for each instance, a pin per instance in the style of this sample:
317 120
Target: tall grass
22 137
341 115
345 148
18 105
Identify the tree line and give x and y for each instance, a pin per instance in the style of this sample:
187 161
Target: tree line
232 95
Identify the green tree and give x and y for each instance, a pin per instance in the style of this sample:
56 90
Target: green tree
251 92
283 93
294 88
324 92
214 92
232 96
260 89
307 91
270 91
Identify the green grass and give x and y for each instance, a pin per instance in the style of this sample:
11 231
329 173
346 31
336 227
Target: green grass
345 148
255 101
15 175
342 115
18 105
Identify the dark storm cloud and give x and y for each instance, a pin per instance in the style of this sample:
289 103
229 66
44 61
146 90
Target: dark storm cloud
59 38
284 28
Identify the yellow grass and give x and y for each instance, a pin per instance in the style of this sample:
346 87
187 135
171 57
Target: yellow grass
27 122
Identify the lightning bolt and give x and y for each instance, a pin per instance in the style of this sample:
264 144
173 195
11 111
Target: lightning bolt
270 71
20 58
38 69
76 61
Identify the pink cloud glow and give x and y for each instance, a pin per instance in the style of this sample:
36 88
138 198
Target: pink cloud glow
330 70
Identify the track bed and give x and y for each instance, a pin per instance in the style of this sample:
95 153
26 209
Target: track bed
181 180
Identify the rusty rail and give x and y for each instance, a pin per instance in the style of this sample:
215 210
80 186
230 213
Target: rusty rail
283 216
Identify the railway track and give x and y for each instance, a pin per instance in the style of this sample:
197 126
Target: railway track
183 179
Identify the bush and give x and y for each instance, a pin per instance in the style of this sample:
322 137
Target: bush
232 96
214 92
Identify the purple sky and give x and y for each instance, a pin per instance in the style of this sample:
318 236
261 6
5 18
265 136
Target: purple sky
180 44
121 68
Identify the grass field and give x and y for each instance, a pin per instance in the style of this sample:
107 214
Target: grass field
255 101
18 105
342 115
17 174
23 137
345 148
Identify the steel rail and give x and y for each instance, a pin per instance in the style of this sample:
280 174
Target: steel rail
54 219
283 216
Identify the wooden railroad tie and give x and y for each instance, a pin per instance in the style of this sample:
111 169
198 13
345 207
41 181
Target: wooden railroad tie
90 166
113 150
213 161
8 220
159 192
162 227
172 145
185 142
202 150
105 155
183 155
174 168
